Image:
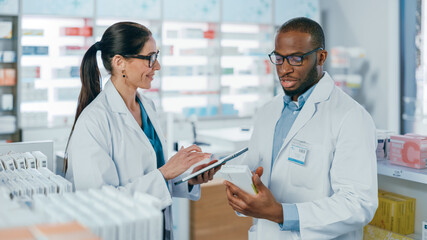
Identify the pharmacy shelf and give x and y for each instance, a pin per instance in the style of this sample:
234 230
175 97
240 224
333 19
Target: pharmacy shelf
385 168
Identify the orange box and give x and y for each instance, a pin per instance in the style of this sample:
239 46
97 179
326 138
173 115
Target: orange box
7 77
71 230
408 150
19 233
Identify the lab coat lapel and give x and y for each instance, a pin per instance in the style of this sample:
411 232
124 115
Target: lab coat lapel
153 118
321 92
276 112
119 107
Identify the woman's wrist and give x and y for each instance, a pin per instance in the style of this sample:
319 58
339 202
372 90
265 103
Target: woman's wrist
164 173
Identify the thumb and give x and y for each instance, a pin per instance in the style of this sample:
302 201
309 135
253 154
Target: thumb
258 183
259 171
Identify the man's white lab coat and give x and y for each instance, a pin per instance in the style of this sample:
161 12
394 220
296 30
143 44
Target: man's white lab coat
335 191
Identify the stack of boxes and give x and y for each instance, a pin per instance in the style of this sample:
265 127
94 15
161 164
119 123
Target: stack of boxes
395 213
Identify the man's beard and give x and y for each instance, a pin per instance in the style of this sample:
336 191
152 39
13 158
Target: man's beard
311 79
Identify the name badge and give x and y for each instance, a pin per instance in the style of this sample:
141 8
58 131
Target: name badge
298 151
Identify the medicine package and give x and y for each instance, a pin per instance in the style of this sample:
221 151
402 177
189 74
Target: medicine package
239 175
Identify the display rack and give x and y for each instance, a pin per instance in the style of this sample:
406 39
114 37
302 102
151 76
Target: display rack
9 69
52 52
415 175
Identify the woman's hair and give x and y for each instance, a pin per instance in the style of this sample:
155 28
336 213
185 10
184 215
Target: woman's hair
122 38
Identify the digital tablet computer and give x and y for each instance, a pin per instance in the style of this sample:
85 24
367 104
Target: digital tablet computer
214 165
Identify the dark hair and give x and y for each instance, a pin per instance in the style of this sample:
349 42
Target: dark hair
305 25
122 38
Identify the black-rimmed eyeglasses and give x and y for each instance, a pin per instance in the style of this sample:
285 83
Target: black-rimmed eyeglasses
151 58
293 60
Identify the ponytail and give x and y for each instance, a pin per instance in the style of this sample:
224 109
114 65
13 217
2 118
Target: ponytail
91 87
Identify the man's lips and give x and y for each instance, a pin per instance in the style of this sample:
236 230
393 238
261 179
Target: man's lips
287 79
288 82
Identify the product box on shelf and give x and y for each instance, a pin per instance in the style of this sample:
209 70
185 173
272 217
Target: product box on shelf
8 77
395 213
374 233
424 230
77 31
408 150
7 56
383 147
6 29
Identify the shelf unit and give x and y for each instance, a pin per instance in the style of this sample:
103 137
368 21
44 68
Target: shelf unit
385 168
9 71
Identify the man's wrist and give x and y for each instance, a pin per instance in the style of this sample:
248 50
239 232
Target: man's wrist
277 213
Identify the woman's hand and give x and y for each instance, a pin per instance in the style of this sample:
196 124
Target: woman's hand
182 160
206 176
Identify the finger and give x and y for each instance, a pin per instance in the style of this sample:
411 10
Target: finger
259 171
206 176
236 208
212 162
234 199
211 173
193 148
217 169
199 178
197 157
238 192
199 167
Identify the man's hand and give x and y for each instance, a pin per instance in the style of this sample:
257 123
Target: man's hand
206 176
262 205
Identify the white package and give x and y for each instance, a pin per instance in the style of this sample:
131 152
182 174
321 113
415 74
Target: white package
19 160
29 160
424 230
1 166
151 205
239 175
41 159
8 162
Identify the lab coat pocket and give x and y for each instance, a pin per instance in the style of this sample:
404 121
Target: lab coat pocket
309 175
252 233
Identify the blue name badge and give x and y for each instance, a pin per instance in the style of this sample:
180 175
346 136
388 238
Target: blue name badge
298 151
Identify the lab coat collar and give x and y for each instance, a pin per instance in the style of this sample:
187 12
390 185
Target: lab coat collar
117 105
114 99
321 92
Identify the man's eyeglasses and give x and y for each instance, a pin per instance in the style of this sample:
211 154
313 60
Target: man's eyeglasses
151 58
293 60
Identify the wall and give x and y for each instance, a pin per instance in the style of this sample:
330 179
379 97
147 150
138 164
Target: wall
373 26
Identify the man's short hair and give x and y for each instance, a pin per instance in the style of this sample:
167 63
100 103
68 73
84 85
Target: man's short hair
305 25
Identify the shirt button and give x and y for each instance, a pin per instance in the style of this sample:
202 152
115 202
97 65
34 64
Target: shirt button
295 112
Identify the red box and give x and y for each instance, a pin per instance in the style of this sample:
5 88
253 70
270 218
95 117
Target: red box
408 150
76 31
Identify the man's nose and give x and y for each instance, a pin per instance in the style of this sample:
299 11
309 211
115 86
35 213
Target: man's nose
285 68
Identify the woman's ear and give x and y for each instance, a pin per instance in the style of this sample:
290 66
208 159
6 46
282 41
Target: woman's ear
118 62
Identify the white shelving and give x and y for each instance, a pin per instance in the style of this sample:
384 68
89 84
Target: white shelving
416 175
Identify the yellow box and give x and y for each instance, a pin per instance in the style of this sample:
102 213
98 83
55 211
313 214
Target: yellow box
395 212
409 216
374 233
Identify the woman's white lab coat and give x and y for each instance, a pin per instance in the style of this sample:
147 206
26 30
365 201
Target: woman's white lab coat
335 191
108 147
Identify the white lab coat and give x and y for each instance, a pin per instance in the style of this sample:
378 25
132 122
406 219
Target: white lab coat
108 147
336 190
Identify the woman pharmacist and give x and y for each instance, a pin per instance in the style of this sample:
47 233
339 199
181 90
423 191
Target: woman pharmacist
116 138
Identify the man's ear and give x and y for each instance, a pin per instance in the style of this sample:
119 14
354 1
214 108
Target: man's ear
322 58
